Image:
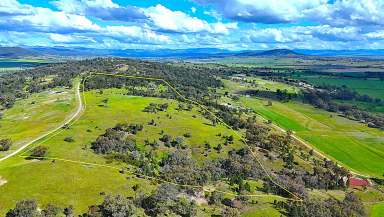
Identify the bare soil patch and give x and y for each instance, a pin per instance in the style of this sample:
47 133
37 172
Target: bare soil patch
2 181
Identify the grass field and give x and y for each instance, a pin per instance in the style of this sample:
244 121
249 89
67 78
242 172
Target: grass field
370 87
65 183
377 210
39 113
261 84
344 140
347 141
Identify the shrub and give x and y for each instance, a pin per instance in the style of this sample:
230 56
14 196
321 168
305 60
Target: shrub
69 139
5 144
39 152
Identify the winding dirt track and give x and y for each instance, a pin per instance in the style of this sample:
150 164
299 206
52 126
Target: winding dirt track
67 121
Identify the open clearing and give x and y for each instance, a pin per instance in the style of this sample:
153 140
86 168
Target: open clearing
37 114
347 141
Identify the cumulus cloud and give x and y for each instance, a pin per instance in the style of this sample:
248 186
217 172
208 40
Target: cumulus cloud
334 13
261 11
134 33
350 12
13 7
102 9
320 24
177 21
46 20
274 35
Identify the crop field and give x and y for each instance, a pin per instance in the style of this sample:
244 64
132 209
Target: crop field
65 183
344 140
35 115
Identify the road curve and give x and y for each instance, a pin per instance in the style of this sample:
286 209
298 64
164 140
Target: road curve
67 121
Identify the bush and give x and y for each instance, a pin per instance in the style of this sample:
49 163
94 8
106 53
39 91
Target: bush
24 208
39 152
69 139
5 144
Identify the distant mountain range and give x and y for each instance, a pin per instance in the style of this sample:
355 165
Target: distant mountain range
16 52
22 52
275 52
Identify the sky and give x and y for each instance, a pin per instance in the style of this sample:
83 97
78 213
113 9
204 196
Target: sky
180 24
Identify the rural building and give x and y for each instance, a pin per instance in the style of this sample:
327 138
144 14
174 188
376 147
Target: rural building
354 182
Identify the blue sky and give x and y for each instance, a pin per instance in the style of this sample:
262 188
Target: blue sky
226 24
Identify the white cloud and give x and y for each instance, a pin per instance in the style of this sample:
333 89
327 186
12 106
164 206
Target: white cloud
102 9
261 11
135 33
60 38
13 7
176 21
274 35
193 9
375 35
46 20
350 12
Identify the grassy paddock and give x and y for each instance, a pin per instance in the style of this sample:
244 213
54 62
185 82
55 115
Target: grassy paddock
39 113
377 210
65 183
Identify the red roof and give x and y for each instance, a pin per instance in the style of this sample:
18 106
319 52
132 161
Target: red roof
358 182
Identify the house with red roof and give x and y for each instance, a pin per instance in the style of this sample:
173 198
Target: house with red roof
354 182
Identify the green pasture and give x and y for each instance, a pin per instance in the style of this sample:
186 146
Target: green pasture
260 84
80 185
37 114
377 210
371 87
351 143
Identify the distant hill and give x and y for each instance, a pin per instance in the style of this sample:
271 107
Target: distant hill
16 52
361 52
188 53
274 52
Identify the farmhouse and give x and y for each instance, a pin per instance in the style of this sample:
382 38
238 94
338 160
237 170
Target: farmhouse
354 182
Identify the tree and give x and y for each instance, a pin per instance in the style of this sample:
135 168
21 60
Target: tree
230 212
50 211
5 144
69 139
68 211
218 148
215 198
117 206
39 152
24 208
